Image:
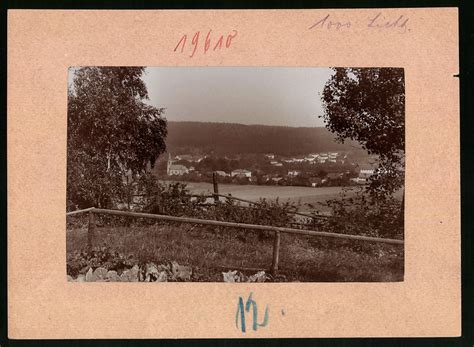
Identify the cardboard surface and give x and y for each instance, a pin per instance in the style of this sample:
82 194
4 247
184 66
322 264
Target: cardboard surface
41 47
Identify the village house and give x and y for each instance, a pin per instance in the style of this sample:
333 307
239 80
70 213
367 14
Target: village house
241 173
276 163
366 170
294 173
270 156
359 180
175 169
221 173
322 158
315 181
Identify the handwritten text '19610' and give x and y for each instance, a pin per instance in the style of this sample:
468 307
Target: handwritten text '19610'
210 43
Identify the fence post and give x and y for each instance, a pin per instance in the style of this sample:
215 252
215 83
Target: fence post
276 253
91 230
216 187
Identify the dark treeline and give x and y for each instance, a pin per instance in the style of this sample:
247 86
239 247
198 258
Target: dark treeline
229 138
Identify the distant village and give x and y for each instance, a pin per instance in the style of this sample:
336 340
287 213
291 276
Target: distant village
313 169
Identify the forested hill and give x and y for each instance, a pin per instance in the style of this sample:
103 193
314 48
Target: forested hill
229 138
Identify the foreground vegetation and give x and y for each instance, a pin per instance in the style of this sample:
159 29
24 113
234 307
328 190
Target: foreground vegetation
211 251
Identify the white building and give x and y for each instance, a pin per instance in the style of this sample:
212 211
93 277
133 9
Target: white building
177 170
241 173
366 171
174 169
294 173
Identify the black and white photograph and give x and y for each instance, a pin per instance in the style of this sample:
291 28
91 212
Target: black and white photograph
235 174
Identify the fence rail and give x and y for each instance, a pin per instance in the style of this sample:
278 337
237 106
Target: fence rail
79 211
277 230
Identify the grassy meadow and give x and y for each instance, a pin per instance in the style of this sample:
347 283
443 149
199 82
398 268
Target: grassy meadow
213 250
306 196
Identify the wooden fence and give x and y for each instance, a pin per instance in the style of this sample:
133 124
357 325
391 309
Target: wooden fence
277 230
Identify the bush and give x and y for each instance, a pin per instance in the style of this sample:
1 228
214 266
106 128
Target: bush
362 215
357 215
175 199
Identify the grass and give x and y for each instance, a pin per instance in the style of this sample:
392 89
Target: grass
211 251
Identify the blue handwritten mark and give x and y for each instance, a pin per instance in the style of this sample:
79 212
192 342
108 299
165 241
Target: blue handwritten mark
241 309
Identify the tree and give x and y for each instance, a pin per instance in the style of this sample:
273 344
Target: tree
368 105
113 135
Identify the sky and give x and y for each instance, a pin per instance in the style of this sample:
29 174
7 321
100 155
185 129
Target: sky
269 96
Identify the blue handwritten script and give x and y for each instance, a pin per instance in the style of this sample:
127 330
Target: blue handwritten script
242 309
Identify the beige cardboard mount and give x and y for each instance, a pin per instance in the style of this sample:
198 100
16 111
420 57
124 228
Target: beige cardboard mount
42 45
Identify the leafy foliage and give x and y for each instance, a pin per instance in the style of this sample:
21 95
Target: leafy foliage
79 262
112 132
359 215
368 105
175 199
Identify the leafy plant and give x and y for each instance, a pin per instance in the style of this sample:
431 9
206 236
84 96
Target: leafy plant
113 135
368 105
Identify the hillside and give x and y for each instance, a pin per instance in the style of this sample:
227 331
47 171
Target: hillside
229 138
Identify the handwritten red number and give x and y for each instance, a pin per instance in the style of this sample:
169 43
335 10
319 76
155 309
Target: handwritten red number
183 40
208 42
195 42
229 39
219 43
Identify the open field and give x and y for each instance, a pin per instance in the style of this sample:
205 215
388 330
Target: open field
211 251
303 195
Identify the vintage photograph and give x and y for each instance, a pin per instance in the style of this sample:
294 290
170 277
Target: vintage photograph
235 174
